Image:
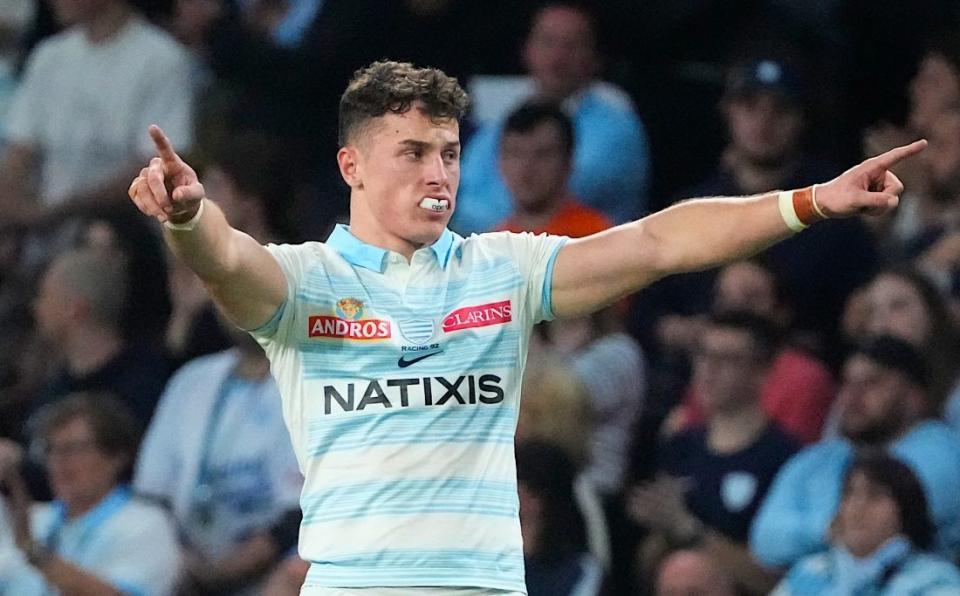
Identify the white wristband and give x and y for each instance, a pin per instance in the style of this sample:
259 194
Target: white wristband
788 213
190 223
816 207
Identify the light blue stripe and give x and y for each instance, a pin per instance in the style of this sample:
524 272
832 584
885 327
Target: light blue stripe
393 304
500 276
421 568
317 368
495 349
363 577
320 279
411 497
481 423
402 561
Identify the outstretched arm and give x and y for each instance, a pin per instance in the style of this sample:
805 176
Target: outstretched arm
243 278
599 269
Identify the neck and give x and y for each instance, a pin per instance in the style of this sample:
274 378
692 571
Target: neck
886 437
735 429
755 177
107 23
531 217
367 230
90 348
252 365
83 505
559 95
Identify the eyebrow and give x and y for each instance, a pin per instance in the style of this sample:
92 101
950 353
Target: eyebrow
415 144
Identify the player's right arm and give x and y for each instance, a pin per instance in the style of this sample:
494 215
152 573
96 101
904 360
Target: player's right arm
243 278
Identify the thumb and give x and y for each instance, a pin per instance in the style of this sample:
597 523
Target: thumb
876 203
190 193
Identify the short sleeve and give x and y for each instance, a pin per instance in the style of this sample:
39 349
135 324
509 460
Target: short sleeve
293 262
535 255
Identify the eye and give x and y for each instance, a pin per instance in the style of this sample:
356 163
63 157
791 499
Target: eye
451 155
414 154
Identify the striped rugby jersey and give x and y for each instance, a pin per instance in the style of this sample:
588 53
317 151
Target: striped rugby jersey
401 385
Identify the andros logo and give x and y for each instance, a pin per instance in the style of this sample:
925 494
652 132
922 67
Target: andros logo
348 323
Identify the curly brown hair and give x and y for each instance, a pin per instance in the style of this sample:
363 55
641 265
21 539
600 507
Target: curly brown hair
388 86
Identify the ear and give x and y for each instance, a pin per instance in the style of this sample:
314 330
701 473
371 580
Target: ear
349 160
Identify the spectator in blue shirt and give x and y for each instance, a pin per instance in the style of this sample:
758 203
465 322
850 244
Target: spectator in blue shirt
96 537
879 539
884 404
611 162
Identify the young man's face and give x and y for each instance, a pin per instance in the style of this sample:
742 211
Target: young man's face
535 165
400 160
873 401
727 370
763 127
560 53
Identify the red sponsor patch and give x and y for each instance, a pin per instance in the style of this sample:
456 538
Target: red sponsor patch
483 315
327 326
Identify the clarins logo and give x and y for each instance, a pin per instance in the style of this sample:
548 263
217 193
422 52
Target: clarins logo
482 315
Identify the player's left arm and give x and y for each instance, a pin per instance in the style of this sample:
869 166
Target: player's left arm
597 270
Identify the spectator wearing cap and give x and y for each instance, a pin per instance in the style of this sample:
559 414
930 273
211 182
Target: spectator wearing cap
766 109
536 158
884 404
611 161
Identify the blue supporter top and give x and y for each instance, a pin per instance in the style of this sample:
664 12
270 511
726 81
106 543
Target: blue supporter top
895 569
127 543
794 518
611 164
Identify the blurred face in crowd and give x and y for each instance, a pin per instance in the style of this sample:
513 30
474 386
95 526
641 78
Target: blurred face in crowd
239 208
868 516
80 472
876 403
941 159
935 89
727 369
688 573
745 287
101 236
535 166
764 128
73 12
53 307
396 161
895 307
560 52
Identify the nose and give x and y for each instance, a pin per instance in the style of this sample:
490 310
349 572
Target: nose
436 174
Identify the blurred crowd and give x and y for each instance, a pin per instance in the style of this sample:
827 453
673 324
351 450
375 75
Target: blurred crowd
786 424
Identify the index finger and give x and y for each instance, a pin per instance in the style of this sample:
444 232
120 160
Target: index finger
888 159
164 147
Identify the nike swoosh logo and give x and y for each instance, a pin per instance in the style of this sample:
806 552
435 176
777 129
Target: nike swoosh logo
404 363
